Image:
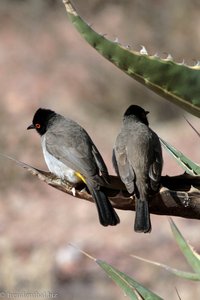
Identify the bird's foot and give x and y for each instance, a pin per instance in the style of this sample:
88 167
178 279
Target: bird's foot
74 191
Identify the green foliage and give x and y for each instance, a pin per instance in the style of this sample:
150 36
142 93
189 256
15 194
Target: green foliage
176 82
191 256
130 287
182 274
188 165
135 290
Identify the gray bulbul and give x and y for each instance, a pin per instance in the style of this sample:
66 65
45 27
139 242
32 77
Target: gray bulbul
70 154
137 159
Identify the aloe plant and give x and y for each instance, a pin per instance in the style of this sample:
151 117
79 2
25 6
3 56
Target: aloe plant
135 290
187 164
131 288
176 82
192 257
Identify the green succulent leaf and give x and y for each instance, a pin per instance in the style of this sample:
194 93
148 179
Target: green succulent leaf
130 287
191 256
174 81
179 273
188 165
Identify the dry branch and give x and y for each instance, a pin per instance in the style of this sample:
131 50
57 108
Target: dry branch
179 195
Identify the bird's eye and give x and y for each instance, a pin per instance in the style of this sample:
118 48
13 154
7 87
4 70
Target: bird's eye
37 125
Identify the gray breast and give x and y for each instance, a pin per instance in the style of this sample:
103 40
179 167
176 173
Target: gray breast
57 167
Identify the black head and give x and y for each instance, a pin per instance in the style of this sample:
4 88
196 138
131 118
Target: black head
138 112
41 120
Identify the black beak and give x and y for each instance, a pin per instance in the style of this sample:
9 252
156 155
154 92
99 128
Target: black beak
146 112
31 127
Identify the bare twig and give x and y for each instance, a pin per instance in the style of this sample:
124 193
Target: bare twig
178 196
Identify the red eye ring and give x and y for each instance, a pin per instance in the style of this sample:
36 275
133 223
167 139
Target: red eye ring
37 125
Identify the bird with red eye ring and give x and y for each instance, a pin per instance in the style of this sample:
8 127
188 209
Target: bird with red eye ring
70 154
37 126
40 123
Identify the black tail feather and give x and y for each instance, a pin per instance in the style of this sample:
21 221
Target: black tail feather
107 214
142 216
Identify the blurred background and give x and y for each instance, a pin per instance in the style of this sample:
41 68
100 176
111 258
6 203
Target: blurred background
45 63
